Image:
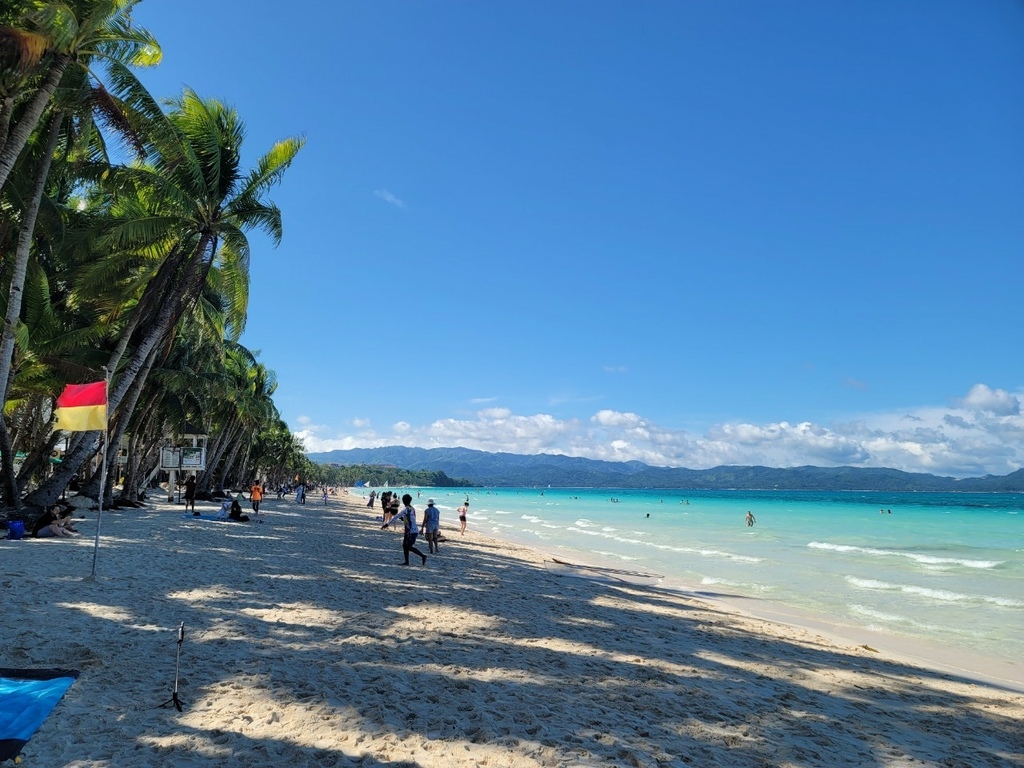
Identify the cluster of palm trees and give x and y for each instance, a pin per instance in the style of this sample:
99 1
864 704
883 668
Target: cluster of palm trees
123 238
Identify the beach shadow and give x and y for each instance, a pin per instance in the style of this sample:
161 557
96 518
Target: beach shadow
309 618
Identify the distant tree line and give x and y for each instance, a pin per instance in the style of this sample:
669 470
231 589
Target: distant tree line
374 476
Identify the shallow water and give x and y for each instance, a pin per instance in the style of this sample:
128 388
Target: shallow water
946 568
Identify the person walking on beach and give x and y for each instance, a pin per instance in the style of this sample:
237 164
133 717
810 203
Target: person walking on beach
408 514
432 526
750 519
463 510
373 497
190 493
256 496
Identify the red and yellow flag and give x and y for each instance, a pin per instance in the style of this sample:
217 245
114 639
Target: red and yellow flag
82 407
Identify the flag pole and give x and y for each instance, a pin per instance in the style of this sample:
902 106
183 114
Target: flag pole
103 472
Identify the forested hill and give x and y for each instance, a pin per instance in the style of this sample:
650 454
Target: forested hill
513 470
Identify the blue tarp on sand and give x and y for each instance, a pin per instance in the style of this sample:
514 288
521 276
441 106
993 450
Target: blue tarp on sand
27 696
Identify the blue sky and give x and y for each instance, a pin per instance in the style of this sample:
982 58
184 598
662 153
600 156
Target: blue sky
690 233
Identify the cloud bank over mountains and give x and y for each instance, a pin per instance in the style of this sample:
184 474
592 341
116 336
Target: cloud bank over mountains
979 434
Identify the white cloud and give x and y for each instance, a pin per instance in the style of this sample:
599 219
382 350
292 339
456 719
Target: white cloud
387 197
983 433
995 401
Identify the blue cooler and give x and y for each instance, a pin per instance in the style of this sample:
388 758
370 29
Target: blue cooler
15 529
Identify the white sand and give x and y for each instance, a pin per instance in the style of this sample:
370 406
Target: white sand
307 644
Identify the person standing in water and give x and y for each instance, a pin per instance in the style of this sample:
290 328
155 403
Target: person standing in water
408 514
750 519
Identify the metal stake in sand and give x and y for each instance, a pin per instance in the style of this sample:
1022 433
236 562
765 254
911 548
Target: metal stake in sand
177 662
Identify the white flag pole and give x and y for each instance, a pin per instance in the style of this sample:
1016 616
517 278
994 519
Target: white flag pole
103 470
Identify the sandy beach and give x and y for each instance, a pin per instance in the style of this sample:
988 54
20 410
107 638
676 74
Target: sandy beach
308 644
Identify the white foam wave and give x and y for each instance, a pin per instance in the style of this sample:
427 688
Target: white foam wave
616 555
926 560
942 595
888 619
716 553
714 581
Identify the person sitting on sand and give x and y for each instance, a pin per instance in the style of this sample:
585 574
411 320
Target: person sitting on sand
236 512
55 523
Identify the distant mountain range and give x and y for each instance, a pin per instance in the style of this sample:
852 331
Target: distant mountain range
513 470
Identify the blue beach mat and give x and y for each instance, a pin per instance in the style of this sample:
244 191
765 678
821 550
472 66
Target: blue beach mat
27 696
206 517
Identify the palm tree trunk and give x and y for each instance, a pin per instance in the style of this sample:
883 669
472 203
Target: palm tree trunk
12 495
18 137
197 268
137 451
225 439
169 312
6 115
126 411
47 493
229 465
21 256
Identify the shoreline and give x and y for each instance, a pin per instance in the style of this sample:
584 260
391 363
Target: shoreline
307 643
981 668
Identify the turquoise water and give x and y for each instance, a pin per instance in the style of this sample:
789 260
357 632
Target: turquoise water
948 568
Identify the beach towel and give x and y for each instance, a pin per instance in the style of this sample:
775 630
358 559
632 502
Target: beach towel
27 696
214 518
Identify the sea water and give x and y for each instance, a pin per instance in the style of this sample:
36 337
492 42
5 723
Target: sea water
946 568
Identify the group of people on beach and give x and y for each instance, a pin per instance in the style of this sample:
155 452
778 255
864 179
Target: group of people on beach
431 527
232 508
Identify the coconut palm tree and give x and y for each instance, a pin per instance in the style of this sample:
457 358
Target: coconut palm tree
193 205
53 36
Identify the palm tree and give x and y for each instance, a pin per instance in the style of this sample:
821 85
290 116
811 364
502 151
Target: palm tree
79 34
193 204
55 36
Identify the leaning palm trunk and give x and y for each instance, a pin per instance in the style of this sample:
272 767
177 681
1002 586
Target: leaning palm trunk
12 494
120 427
47 493
223 440
127 409
19 135
170 310
141 436
226 473
21 257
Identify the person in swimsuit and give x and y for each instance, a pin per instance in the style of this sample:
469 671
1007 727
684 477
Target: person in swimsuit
462 516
